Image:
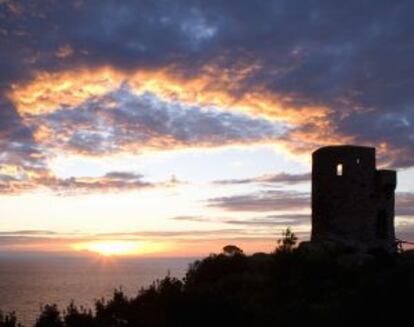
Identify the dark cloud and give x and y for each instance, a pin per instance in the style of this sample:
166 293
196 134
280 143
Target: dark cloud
354 57
282 178
273 200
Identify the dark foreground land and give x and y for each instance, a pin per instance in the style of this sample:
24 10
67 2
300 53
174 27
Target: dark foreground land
289 286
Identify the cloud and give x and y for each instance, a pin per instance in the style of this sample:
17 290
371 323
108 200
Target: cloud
266 221
192 218
46 240
280 201
116 181
282 178
273 200
52 241
315 73
21 159
276 200
29 233
181 233
272 220
122 121
110 182
404 204
197 242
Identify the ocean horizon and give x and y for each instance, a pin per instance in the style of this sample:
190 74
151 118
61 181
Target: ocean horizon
27 283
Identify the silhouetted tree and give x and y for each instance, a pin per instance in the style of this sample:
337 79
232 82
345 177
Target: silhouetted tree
78 317
9 320
113 312
49 317
232 250
287 242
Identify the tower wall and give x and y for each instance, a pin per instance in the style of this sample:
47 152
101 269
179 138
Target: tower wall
352 202
386 184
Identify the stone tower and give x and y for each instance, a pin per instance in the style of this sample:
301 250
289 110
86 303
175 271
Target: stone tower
352 201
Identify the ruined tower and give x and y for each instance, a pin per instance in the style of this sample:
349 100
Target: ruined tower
352 201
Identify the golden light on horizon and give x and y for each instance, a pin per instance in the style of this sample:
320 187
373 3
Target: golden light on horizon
116 247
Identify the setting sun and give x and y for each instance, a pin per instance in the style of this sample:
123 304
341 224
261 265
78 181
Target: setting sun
112 248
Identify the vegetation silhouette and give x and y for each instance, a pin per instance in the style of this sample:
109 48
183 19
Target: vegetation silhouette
232 250
289 286
9 320
287 242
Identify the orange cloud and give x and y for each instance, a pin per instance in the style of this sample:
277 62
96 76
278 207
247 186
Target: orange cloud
223 89
51 91
310 125
48 92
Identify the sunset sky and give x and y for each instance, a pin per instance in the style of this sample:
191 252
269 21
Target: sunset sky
173 128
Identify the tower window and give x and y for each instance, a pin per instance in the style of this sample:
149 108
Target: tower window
339 170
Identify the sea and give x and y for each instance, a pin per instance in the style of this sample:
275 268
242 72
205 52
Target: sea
28 283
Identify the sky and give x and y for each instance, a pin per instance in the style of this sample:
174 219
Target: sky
173 128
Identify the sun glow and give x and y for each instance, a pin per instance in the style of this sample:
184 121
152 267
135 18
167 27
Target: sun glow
113 248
